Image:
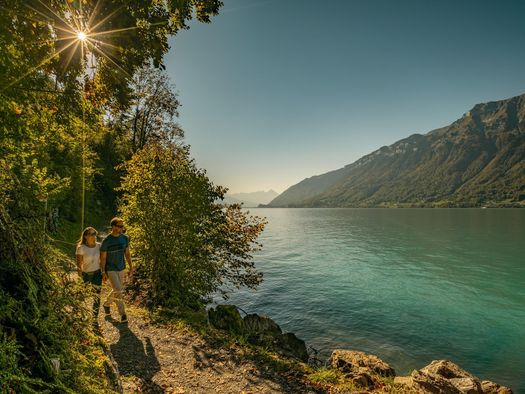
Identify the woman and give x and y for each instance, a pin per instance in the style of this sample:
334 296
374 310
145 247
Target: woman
88 263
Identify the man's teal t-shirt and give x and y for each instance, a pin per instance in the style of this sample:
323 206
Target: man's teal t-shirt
115 247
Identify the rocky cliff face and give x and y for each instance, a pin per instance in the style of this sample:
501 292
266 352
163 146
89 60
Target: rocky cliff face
477 160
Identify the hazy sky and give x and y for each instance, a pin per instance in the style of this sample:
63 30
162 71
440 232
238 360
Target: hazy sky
277 91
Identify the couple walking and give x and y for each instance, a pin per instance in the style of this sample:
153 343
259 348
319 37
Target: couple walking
104 261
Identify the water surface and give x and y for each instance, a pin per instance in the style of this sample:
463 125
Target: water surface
410 285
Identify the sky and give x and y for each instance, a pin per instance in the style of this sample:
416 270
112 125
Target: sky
276 91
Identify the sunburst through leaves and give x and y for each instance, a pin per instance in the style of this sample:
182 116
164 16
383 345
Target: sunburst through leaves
81 31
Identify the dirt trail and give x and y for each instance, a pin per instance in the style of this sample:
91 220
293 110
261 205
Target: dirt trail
161 359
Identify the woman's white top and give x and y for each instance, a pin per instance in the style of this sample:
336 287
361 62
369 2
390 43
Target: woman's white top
90 257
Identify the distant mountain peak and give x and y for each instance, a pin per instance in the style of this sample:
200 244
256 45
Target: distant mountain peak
477 160
254 199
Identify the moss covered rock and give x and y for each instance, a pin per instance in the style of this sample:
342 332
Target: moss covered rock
226 317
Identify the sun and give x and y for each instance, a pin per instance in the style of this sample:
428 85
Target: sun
79 31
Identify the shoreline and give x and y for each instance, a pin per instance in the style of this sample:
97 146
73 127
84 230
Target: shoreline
360 369
400 206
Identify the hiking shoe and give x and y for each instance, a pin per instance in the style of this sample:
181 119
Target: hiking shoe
107 311
123 319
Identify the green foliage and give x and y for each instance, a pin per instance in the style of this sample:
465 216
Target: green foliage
151 116
122 37
53 126
43 316
189 245
323 376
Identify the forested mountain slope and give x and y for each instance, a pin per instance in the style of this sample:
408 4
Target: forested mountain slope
479 160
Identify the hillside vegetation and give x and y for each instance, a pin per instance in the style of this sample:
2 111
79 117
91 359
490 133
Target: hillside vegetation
88 130
479 160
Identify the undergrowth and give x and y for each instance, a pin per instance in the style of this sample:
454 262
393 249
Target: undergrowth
47 340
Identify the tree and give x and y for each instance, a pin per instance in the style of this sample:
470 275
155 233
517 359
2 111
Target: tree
189 244
54 86
151 116
54 89
40 38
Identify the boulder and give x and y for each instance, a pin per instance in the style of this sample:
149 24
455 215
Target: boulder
350 361
464 381
362 379
427 382
226 317
494 388
443 376
447 369
467 385
289 345
261 325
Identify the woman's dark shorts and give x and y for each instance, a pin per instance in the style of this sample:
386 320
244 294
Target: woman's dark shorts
94 277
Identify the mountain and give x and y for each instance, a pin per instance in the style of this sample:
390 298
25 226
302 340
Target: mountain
253 199
479 160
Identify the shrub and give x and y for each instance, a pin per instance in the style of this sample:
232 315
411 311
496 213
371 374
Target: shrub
189 244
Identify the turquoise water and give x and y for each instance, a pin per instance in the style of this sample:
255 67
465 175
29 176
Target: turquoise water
410 285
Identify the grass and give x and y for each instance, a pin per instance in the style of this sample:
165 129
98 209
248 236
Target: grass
323 376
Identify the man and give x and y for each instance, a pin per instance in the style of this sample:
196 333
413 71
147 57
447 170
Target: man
114 252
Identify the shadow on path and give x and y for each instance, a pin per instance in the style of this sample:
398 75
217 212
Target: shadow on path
135 357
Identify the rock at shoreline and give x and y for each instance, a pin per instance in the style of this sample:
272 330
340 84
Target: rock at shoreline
427 382
462 380
226 317
261 325
494 388
260 329
264 330
447 369
289 345
354 362
443 377
361 378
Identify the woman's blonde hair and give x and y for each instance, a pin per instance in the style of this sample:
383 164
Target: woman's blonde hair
82 240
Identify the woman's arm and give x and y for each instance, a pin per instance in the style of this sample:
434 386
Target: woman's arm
80 260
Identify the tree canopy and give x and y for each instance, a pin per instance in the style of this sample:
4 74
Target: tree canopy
189 244
57 93
40 38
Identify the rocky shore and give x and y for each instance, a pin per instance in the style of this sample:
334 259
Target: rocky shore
361 371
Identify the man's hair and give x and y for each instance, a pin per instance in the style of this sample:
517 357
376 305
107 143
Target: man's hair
115 221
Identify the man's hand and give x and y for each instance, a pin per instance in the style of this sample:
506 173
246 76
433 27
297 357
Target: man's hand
104 277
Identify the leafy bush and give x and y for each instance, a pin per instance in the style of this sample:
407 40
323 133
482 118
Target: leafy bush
43 316
189 245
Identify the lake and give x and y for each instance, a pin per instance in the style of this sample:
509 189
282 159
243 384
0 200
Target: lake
409 285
